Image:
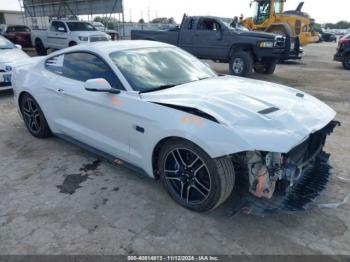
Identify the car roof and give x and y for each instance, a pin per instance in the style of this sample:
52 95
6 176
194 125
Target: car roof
108 47
70 21
209 17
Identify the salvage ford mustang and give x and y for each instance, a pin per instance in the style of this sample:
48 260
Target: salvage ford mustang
156 109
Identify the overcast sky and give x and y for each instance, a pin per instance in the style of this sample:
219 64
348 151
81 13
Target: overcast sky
323 11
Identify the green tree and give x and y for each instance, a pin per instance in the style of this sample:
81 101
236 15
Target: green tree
109 23
171 20
338 25
163 20
160 20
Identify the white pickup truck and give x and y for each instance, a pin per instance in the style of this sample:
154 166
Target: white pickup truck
62 34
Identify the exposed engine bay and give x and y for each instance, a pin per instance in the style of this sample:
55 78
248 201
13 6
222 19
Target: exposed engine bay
287 182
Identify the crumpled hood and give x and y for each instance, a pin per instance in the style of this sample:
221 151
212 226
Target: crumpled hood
12 55
251 106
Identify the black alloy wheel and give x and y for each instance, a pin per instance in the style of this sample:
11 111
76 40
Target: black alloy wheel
192 178
33 117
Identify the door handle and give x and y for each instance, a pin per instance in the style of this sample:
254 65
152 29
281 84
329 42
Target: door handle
61 91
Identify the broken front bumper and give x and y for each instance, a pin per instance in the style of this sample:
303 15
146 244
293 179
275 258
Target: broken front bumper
312 181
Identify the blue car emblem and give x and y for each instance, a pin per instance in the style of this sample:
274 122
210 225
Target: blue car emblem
8 68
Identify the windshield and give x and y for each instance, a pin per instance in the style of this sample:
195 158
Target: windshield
151 68
80 26
278 7
15 29
5 44
233 24
262 11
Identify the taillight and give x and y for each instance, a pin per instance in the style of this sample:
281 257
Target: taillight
344 41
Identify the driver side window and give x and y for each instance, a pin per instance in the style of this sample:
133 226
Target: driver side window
208 25
82 66
56 25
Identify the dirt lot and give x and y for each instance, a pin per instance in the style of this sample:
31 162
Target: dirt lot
117 212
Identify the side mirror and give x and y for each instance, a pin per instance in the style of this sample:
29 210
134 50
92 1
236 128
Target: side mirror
18 46
100 85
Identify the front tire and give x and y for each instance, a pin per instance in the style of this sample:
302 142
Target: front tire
241 64
346 62
34 118
265 67
193 179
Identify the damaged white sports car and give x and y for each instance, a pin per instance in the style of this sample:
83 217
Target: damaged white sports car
157 109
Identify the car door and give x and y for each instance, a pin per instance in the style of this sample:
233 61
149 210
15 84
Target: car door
95 119
57 36
209 41
187 34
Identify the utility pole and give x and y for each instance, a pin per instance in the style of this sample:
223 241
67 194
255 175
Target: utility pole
130 15
123 18
149 14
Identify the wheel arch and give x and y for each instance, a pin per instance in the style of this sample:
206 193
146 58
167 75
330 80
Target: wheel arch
19 101
158 147
286 28
241 47
20 97
72 43
37 39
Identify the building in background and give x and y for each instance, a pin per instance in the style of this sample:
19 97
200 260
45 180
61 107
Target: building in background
10 17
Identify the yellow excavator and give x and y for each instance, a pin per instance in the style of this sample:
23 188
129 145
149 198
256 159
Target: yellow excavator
271 17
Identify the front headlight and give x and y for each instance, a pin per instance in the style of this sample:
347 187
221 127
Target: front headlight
7 67
266 44
83 38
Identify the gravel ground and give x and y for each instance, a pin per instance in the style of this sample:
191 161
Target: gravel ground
115 211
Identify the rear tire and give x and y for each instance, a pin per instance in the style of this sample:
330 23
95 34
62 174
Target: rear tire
265 67
34 118
241 64
40 48
346 62
193 179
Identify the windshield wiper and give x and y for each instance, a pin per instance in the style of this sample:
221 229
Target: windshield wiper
156 89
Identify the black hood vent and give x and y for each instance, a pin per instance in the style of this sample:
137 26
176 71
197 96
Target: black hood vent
268 110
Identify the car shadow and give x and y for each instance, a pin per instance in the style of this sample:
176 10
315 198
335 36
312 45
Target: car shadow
6 94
